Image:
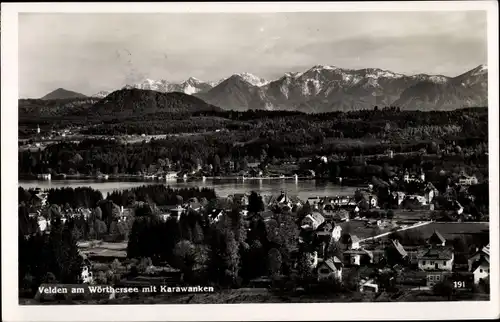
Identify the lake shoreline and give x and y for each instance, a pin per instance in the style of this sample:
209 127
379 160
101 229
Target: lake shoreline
303 188
136 178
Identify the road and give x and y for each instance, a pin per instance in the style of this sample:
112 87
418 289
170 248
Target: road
420 224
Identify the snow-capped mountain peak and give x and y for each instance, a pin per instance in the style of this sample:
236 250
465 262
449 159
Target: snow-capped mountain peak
101 94
293 74
194 80
479 70
252 79
323 67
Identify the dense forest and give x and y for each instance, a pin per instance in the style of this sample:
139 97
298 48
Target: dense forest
87 197
273 138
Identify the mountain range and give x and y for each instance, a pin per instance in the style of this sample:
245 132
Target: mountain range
329 88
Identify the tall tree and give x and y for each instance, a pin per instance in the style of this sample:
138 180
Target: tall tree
255 203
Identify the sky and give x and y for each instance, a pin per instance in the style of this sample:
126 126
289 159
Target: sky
91 52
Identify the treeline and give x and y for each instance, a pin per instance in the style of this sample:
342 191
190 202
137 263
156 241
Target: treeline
384 123
87 197
160 195
48 258
259 135
69 197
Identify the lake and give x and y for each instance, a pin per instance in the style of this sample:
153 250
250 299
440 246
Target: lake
223 187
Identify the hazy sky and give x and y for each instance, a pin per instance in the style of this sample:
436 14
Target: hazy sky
92 52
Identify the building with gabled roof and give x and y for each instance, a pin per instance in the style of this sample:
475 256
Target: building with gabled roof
436 239
330 268
357 257
481 269
437 259
397 245
312 221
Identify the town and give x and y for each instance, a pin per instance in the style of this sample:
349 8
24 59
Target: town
413 242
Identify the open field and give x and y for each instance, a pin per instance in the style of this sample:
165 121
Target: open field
359 228
450 230
411 215
103 249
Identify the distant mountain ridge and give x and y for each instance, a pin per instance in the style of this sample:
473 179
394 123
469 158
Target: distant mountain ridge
62 93
325 88
191 86
329 88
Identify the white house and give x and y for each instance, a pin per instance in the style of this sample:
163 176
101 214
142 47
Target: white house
436 259
481 269
164 216
171 175
312 221
43 224
373 201
484 252
45 176
466 180
343 201
358 256
331 268
368 286
398 196
336 233
422 176
86 275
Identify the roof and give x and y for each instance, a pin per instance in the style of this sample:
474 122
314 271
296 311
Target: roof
437 235
282 198
333 263
215 212
354 239
482 261
486 249
399 248
438 253
358 252
420 199
318 217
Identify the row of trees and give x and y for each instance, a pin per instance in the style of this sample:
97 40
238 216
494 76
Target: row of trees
68 198
47 258
265 136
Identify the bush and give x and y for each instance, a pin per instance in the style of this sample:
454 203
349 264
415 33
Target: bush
443 289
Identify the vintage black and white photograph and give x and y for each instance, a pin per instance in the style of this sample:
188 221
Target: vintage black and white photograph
253 157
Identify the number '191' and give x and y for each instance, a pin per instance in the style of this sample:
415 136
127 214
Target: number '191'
459 284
